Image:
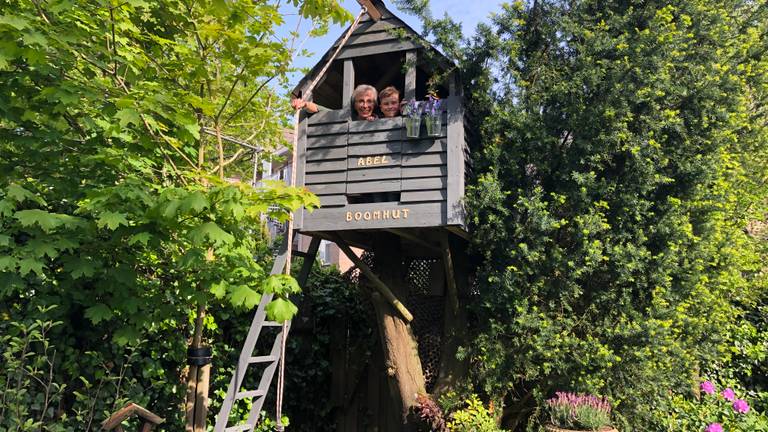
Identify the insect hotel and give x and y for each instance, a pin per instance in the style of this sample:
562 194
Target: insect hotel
391 187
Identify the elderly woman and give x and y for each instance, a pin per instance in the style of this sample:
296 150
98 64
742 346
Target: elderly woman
363 101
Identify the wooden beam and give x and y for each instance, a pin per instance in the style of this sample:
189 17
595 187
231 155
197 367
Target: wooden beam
410 76
450 276
371 9
413 238
349 84
381 286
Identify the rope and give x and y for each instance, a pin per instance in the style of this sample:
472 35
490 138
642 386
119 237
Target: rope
289 234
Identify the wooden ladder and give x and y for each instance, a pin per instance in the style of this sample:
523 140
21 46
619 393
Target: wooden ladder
247 357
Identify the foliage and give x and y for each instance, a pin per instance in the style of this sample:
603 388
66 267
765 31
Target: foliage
430 414
711 408
116 115
578 411
621 156
472 417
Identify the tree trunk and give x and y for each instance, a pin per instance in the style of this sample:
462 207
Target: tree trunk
401 356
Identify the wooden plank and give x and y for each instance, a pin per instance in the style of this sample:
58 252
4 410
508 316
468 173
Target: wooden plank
325 178
327 141
371 9
326 166
424 183
376 216
374 149
370 37
455 161
433 171
349 84
374 279
333 200
426 146
425 159
301 160
410 75
328 188
327 129
326 153
423 195
377 125
378 48
374 174
377 161
333 116
369 137
373 186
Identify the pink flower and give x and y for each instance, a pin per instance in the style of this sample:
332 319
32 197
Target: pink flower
741 406
714 427
728 394
707 387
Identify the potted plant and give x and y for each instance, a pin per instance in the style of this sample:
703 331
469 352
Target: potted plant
412 117
432 116
571 412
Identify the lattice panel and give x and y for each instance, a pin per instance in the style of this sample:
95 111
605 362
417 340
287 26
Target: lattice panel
426 307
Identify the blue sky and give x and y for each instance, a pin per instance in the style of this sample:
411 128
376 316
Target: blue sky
467 12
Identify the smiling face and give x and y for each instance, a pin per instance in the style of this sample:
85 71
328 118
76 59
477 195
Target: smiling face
390 105
364 104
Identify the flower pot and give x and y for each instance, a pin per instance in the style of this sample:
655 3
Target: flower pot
412 126
553 428
434 125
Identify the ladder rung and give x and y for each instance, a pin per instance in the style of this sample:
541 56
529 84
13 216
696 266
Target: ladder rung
250 393
262 359
299 253
239 428
272 324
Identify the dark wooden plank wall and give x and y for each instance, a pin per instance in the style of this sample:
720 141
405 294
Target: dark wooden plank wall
326 156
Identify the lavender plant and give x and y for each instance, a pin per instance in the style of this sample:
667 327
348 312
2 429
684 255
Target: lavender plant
432 106
579 411
413 109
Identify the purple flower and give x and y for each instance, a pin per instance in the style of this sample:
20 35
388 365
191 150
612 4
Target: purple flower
728 394
707 387
741 406
714 427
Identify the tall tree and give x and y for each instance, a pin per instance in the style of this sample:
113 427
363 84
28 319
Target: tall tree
117 123
623 153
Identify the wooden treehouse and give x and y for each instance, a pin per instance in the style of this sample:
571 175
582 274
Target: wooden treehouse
399 198
368 174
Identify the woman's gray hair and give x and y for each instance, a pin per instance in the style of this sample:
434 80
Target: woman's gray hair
362 88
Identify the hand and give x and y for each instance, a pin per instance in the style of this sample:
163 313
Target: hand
298 104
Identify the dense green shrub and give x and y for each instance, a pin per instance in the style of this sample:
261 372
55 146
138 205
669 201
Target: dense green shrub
621 152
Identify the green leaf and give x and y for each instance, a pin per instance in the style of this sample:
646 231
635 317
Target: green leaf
212 232
5 240
219 289
111 220
242 295
19 194
126 335
30 264
80 267
14 21
142 237
6 208
7 263
128 116
43 219
98 313
281 310
195 201
281 284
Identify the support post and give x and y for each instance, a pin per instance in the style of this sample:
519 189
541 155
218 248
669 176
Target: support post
410 75
450 276
349 83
